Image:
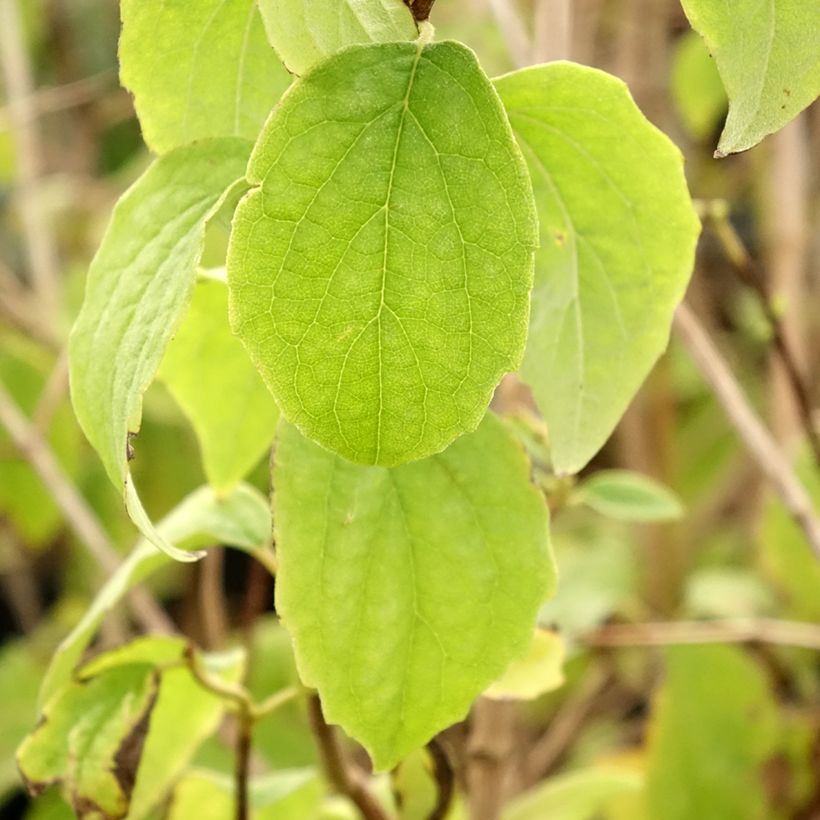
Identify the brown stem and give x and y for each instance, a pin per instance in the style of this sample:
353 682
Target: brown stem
489 747
342 776
243 759
445 779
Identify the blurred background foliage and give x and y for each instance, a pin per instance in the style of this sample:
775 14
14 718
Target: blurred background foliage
644 725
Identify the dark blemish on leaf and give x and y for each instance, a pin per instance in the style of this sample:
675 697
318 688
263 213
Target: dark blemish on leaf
560 238
787 92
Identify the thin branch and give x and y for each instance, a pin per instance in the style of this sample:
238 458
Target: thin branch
758 440
19 90
342 776
445 779
78 514
514 31
53 393
489 747
739 630
552 39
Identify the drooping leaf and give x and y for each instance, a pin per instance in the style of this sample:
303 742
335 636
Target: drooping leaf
138 286
241 519
304 32
767 55
380 270
90 740
211 377
198 70
407 590
618 235
713 727
696 87
579 795
540 671
628 496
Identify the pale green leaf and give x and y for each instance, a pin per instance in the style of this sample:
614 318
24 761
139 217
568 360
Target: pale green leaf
242 519
696 87
407 590
768 58
208 372
138 286
90 740
540 670
198 69
628 496
380 271
713 727
580 795
304 32
618 237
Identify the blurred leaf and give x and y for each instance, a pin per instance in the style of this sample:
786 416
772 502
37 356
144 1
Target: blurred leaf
580 795
768 60
617 224
282 795
304 32
90 740
198 70
242 520
210 375
50 806
726 592
407 590
540 671
414 786
696 87
713 727
628 496
138 286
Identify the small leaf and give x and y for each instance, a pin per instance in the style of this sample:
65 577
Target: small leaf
380 271
628 496
540 671
90 740
304 32
199 69
618 237
241 519
408 590
578 795
208 372
767 56
138 286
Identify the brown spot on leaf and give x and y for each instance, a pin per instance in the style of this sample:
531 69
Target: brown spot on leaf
129 447
560 238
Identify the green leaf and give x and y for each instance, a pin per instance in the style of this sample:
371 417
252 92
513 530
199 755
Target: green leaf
380 271
580 795
696 87
407 590
766 53
713 728
90 740
138 286
618 237
198 70
628 496
208 372
540 671
304 32
241 519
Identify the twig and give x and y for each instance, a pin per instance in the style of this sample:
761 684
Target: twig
489 747
79 516
212 610
444 777
341 775
553 29
734 630
53 393
514 31
19 89
758 440
753 277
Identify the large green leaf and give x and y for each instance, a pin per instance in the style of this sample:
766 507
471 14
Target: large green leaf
767 55
90 740
380 271
627 496
198 69
211 377
304 32
618 236
138 286
241 519
713 728
407 590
